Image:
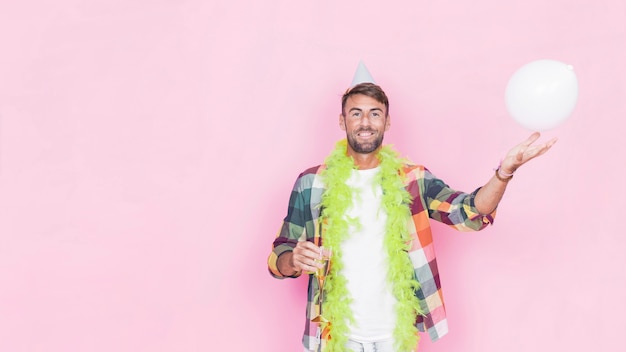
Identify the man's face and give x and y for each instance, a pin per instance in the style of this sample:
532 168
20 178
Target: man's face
365 121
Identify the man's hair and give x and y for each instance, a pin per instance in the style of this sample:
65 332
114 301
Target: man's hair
368 89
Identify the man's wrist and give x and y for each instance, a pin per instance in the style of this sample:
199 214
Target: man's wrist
503 172
502 176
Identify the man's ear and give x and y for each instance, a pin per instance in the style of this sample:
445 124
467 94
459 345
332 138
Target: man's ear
342 122
388 123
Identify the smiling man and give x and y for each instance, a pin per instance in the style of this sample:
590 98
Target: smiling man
369 211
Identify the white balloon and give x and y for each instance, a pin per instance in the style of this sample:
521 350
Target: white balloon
542 94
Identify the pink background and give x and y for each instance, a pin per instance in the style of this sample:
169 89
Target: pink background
147 151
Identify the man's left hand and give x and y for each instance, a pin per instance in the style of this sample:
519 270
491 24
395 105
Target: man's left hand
523 152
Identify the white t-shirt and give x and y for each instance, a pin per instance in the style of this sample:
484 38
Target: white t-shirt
365 261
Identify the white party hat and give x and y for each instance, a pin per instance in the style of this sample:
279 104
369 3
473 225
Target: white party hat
362 75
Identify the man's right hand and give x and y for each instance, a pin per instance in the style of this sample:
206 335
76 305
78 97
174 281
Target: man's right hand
304 257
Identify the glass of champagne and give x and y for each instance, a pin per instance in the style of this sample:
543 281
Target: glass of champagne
320 275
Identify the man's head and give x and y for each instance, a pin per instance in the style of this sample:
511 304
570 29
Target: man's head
365 117
368 89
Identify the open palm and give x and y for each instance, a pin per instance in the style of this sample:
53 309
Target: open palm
525 151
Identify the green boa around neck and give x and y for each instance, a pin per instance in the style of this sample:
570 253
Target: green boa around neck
336 201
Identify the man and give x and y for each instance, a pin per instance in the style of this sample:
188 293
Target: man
369 211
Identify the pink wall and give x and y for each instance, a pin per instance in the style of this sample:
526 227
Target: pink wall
147 151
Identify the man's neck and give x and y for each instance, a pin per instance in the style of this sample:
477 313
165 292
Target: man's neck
365 161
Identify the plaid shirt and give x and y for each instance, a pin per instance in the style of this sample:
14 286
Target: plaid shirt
432 199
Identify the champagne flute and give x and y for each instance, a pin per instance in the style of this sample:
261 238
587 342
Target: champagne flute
320 275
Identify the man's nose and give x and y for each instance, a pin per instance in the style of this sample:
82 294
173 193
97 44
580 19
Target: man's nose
365 120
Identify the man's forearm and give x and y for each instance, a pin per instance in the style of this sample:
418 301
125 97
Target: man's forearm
489 196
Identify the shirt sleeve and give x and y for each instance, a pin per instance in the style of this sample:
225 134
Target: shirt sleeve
454 208
294 227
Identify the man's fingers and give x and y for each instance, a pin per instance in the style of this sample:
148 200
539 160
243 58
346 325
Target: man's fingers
308 246
532 138
306 255
541 149
551 142
306 264
310 250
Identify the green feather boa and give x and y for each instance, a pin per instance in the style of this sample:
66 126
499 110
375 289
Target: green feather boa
336 201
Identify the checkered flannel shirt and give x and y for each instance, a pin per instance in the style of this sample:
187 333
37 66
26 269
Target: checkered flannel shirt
432 199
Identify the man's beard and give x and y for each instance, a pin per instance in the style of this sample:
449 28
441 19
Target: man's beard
365 148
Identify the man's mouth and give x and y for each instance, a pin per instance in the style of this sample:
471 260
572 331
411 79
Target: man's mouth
365 134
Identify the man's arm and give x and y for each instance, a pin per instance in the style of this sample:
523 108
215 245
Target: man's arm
293 250
491 193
